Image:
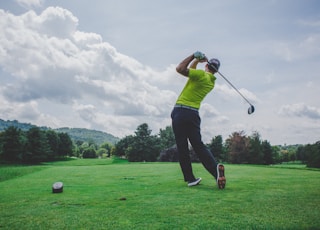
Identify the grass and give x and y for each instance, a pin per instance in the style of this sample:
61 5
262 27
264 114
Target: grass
108 194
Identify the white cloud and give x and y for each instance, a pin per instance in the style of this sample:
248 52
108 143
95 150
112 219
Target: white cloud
300 110
26 112
56 63
227 91
76 68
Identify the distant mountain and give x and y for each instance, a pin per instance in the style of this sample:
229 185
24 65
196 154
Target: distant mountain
76 134
23 126
80 134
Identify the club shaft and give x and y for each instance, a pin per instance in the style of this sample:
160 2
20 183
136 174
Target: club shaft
234 87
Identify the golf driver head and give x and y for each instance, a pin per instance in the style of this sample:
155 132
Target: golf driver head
251 109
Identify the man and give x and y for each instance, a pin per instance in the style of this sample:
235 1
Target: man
186 119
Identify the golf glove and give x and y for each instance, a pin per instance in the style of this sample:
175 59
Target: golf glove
199 55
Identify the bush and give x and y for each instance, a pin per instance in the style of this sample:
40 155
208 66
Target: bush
89 153
169 155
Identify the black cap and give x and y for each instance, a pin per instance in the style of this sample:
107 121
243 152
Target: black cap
214 64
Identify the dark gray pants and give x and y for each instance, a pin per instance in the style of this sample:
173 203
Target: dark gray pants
186 126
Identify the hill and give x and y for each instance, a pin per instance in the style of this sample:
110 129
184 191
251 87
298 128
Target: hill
23 126
76 134
81 134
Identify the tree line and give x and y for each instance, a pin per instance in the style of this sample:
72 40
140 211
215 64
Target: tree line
36 145
238 148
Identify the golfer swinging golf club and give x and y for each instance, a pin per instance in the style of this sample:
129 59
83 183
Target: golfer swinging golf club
186 119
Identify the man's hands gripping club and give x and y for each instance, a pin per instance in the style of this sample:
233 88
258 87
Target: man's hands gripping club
183 69
199 55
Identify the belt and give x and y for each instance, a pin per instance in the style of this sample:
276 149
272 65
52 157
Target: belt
185 107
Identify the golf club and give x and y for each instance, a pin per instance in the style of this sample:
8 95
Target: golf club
251 108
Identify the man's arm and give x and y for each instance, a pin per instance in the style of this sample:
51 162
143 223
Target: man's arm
182 68
194 64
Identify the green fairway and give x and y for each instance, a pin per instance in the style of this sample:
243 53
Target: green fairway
104 194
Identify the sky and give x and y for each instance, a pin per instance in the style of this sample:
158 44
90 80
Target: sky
110 65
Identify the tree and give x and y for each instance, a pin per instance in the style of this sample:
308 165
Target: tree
276 154
313 155
89 153
121 147
54 142
38 147
255 155
216 147
144 146
143 131
12 144
292 153
101 151
237 147
65 145
284 155
107 146
167 138
169 155
267 153
301 154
